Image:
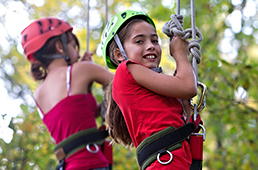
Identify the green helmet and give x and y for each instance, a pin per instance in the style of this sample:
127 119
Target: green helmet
113 26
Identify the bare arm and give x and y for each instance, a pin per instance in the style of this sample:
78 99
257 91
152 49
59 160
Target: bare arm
85 73
182 85
98 74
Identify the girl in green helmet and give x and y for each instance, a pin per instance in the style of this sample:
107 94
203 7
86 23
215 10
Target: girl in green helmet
142 102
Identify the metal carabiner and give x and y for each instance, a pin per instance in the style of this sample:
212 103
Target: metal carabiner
202 101
195 112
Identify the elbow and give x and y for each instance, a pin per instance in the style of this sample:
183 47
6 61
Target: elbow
191 92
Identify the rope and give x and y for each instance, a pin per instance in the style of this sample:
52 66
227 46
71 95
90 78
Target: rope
174 27
88 26
106 12
194 49
106 18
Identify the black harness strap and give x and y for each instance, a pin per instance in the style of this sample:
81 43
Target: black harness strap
170 139
90 138
196 165
68 146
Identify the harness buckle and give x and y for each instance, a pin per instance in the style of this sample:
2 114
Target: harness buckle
202 100
162 152
201 134
90 150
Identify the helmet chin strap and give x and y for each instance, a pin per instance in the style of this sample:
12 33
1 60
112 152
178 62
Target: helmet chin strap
64 42
66 56
120 46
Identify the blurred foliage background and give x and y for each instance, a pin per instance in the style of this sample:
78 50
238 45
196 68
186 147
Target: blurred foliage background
229 68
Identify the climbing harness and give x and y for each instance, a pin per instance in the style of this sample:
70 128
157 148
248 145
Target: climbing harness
86 138
164 141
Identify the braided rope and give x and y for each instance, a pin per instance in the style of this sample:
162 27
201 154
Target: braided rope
174 27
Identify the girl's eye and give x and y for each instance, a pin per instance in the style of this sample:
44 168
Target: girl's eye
155 41
139 41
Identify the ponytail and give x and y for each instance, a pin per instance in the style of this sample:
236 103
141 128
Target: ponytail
38 71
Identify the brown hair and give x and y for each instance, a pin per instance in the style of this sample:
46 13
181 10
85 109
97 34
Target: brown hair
114 117
39 68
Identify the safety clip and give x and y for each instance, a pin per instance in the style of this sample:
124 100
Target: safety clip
202 101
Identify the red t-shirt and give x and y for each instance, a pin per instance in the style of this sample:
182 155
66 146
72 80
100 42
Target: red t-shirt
73 114
146 113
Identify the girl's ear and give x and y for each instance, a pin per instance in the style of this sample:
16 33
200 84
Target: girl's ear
118 55
59 47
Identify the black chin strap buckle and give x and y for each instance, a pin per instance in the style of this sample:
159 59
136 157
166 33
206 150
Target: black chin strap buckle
67 59
157 69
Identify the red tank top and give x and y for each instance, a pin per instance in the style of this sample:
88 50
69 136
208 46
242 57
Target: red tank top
73 114
146 113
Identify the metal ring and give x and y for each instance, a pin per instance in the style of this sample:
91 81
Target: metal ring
165 163
89 149
201 134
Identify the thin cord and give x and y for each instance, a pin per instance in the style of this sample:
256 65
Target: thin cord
193 59
88 25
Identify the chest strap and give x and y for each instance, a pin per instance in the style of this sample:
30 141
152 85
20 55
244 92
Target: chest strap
78 141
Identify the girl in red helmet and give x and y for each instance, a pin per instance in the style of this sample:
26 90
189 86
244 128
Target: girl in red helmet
64 97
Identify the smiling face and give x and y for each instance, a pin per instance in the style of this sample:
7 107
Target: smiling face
142 45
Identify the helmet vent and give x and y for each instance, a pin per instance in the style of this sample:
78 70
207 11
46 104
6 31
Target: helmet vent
123 15
40 27
40 24
50 24
25 38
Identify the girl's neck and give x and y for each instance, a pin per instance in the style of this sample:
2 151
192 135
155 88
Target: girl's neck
59 62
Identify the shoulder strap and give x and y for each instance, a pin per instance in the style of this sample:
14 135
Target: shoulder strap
68 79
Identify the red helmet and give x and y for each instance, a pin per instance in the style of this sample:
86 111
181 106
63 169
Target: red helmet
38 32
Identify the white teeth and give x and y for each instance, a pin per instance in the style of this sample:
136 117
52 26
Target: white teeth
150 57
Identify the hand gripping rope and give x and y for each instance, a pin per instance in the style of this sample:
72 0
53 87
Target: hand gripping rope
174 27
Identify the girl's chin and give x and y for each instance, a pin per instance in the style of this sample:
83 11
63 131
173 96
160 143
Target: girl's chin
152 67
